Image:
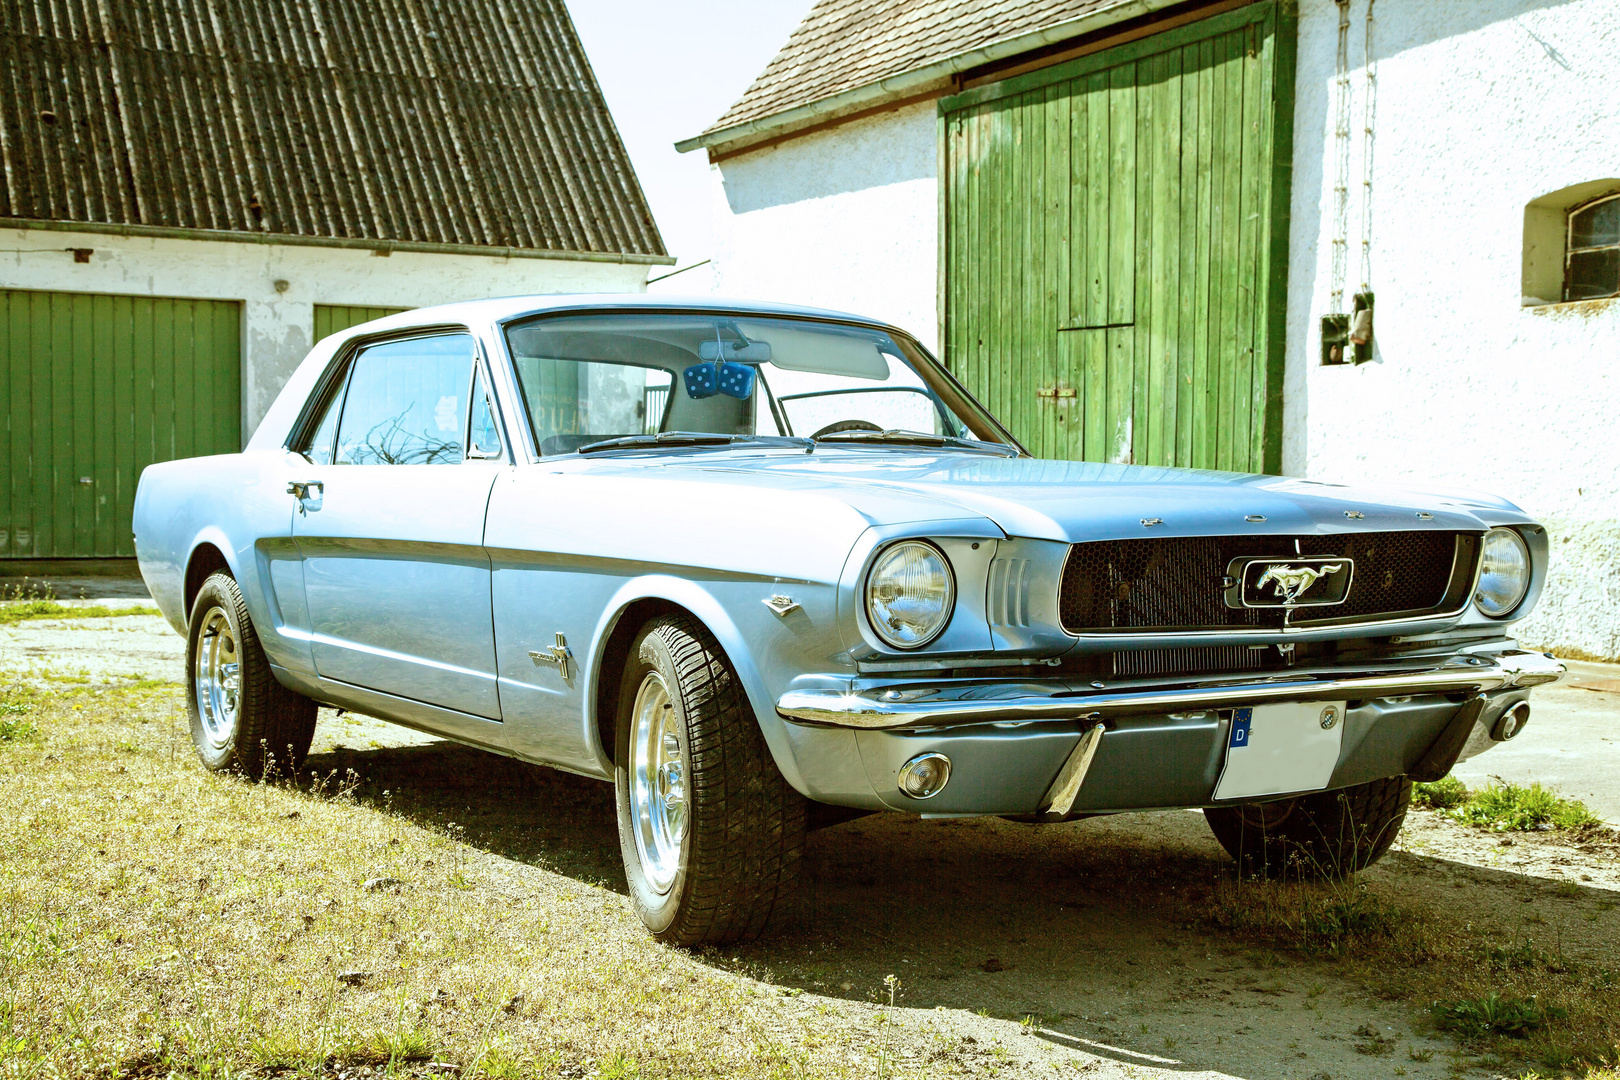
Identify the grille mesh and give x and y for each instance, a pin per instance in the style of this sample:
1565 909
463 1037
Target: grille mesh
1176 583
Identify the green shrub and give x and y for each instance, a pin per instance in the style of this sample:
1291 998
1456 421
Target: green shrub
1516 808
1444 794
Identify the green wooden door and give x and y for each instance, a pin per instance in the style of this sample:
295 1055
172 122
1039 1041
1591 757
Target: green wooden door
97 388
330 318
1115 234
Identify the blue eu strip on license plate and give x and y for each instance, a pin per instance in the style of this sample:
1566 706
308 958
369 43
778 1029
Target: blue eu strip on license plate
1241 719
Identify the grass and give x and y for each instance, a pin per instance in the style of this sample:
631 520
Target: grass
156 919
1504 807
28 601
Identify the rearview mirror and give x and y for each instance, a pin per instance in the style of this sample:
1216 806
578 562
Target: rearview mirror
751 352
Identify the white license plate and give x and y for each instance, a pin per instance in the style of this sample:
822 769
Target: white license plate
1277 749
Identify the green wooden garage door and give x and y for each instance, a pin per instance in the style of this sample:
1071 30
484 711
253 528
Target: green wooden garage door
96 389
1115 246
330 318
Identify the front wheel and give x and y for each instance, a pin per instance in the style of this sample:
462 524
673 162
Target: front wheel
242 719
711 834
1324 834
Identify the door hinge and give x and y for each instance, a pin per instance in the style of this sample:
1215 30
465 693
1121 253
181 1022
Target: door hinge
1055 392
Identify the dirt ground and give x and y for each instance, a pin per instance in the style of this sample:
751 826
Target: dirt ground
1019 950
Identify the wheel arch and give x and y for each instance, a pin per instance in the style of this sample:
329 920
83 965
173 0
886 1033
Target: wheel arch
207 557
637 603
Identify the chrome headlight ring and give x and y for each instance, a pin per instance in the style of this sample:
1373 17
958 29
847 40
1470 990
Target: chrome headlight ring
910 594
1504 573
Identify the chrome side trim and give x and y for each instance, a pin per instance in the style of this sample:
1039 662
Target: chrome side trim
883 706
1059 798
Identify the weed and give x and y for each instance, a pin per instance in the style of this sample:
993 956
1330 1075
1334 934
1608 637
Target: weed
1420 1054
31 601
1444 794
1517 958
1504 807
1494 1014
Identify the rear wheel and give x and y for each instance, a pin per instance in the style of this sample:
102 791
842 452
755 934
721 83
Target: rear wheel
1324 834
242 719
711 835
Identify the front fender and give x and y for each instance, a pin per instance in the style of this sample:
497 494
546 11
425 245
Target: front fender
709 610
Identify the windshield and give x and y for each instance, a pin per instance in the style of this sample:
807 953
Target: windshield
586 379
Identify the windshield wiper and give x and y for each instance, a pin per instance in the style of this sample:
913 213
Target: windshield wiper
903 437
685 438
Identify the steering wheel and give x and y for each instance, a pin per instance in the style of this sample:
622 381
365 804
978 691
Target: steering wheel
846 425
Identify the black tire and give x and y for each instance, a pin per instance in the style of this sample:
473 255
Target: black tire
1324 834
258 728
742 841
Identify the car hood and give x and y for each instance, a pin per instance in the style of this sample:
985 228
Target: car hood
1076 501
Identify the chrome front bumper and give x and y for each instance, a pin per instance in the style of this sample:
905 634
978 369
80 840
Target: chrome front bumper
892 704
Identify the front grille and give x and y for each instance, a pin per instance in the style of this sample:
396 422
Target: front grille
1194 661
1177 583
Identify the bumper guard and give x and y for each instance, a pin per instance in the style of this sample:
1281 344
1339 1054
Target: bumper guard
918 706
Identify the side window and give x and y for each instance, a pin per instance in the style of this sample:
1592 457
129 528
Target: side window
407 402
483 437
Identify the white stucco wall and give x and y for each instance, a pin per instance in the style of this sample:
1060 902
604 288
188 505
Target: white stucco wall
844 218
1481 107
277 326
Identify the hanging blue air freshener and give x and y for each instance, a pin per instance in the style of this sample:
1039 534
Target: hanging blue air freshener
737 380
701 381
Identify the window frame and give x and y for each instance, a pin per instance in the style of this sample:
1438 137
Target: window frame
1570 250
334 385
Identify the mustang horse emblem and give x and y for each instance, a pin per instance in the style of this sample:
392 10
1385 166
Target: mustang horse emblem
1292 582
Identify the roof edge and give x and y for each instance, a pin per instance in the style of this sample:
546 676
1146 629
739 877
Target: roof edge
917 80
170 232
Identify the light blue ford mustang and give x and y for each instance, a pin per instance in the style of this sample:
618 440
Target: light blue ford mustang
768 568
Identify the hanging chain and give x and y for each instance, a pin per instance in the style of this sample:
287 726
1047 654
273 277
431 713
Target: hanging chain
1369 110
1341 156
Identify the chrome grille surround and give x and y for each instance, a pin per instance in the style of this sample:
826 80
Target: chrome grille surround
1176 585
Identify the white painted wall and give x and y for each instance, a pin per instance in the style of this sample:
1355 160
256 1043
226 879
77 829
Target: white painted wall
844 218
277 326
1481 107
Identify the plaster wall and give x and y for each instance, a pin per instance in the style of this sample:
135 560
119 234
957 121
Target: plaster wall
278 326
845 218
1480 109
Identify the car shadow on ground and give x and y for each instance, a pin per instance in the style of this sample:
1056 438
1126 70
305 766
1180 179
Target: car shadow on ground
1092 933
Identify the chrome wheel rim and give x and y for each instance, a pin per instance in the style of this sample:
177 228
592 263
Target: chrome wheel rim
217 677
657 784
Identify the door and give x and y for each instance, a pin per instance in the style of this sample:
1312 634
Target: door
390 525
1115 247
96 388
330 318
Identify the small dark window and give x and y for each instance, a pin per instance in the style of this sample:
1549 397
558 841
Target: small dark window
1592 264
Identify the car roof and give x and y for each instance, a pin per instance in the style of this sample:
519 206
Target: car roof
505 308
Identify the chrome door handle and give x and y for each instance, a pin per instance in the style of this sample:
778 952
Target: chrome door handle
301 488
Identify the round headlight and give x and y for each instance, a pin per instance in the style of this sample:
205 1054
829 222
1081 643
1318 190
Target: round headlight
1504 573
909 594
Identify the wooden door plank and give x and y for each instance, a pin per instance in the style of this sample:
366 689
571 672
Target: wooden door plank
1203 400
124 468
1248 295
1187 257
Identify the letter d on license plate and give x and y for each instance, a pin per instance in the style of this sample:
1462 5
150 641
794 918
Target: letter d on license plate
1278 749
